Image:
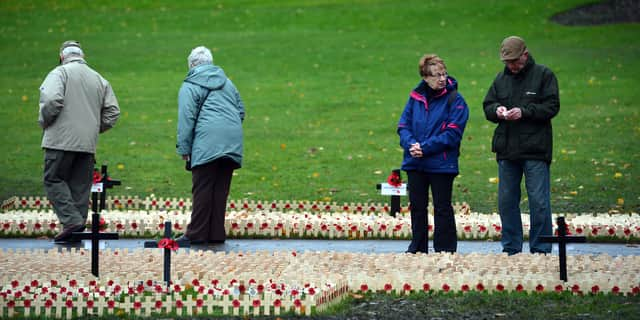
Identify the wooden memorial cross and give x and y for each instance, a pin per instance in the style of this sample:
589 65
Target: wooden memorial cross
167 250
562 239
99 187
395 191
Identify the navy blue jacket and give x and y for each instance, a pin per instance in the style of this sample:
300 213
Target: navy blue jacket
428 119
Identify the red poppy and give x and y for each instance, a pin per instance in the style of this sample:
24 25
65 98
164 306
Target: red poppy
167 243
256 303
388 287
426 287
277 303
137 305
69 304
446 288
575 288
519 287
394 179
199 303
179 304
27 303
559 288
464 288
539 288
364 288
158 304
480 287
615 290
111 304
236 303
297 303
595 289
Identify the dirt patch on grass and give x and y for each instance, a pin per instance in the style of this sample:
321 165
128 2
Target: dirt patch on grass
603 12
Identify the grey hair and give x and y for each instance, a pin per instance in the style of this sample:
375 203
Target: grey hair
71 51
200 55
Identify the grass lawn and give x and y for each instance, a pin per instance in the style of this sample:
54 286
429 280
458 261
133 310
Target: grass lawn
324 83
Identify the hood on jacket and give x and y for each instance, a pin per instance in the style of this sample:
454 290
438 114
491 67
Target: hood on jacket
207 76
426 91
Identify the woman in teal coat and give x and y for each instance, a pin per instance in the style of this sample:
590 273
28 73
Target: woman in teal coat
210 115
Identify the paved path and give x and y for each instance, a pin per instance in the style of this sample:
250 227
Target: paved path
363 246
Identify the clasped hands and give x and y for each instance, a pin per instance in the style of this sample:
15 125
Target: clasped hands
512 114
415 150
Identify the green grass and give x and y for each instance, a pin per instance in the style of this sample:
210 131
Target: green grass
482 305
324 83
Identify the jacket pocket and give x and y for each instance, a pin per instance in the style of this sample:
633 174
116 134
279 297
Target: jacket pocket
499 142
534 142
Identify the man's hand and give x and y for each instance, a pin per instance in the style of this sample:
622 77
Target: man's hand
186 157
501 112
415 150
512 114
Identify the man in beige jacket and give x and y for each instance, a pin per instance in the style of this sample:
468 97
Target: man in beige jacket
76 104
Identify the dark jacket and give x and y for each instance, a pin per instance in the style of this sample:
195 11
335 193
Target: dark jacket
218 129
428 119
535 91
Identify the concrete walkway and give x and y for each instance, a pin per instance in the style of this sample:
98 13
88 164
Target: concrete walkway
363 246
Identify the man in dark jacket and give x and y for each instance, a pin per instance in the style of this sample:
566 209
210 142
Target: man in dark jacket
522 100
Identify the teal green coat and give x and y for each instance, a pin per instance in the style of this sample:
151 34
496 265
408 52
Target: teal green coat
218 129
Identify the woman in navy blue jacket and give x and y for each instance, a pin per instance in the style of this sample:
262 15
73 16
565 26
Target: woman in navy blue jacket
430 130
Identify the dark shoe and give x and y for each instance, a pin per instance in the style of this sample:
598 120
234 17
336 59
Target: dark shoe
183 239
67 231
216 241
509 252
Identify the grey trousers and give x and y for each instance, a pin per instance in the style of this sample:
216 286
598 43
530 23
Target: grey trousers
68 177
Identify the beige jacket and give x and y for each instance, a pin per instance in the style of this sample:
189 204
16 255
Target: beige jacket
76 103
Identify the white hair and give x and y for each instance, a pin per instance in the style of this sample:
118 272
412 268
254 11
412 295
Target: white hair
71 51
200 55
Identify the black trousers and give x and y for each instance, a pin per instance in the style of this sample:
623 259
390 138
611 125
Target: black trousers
210 188
445 237
67 182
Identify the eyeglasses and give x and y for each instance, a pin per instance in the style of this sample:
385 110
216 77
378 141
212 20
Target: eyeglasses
439 75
